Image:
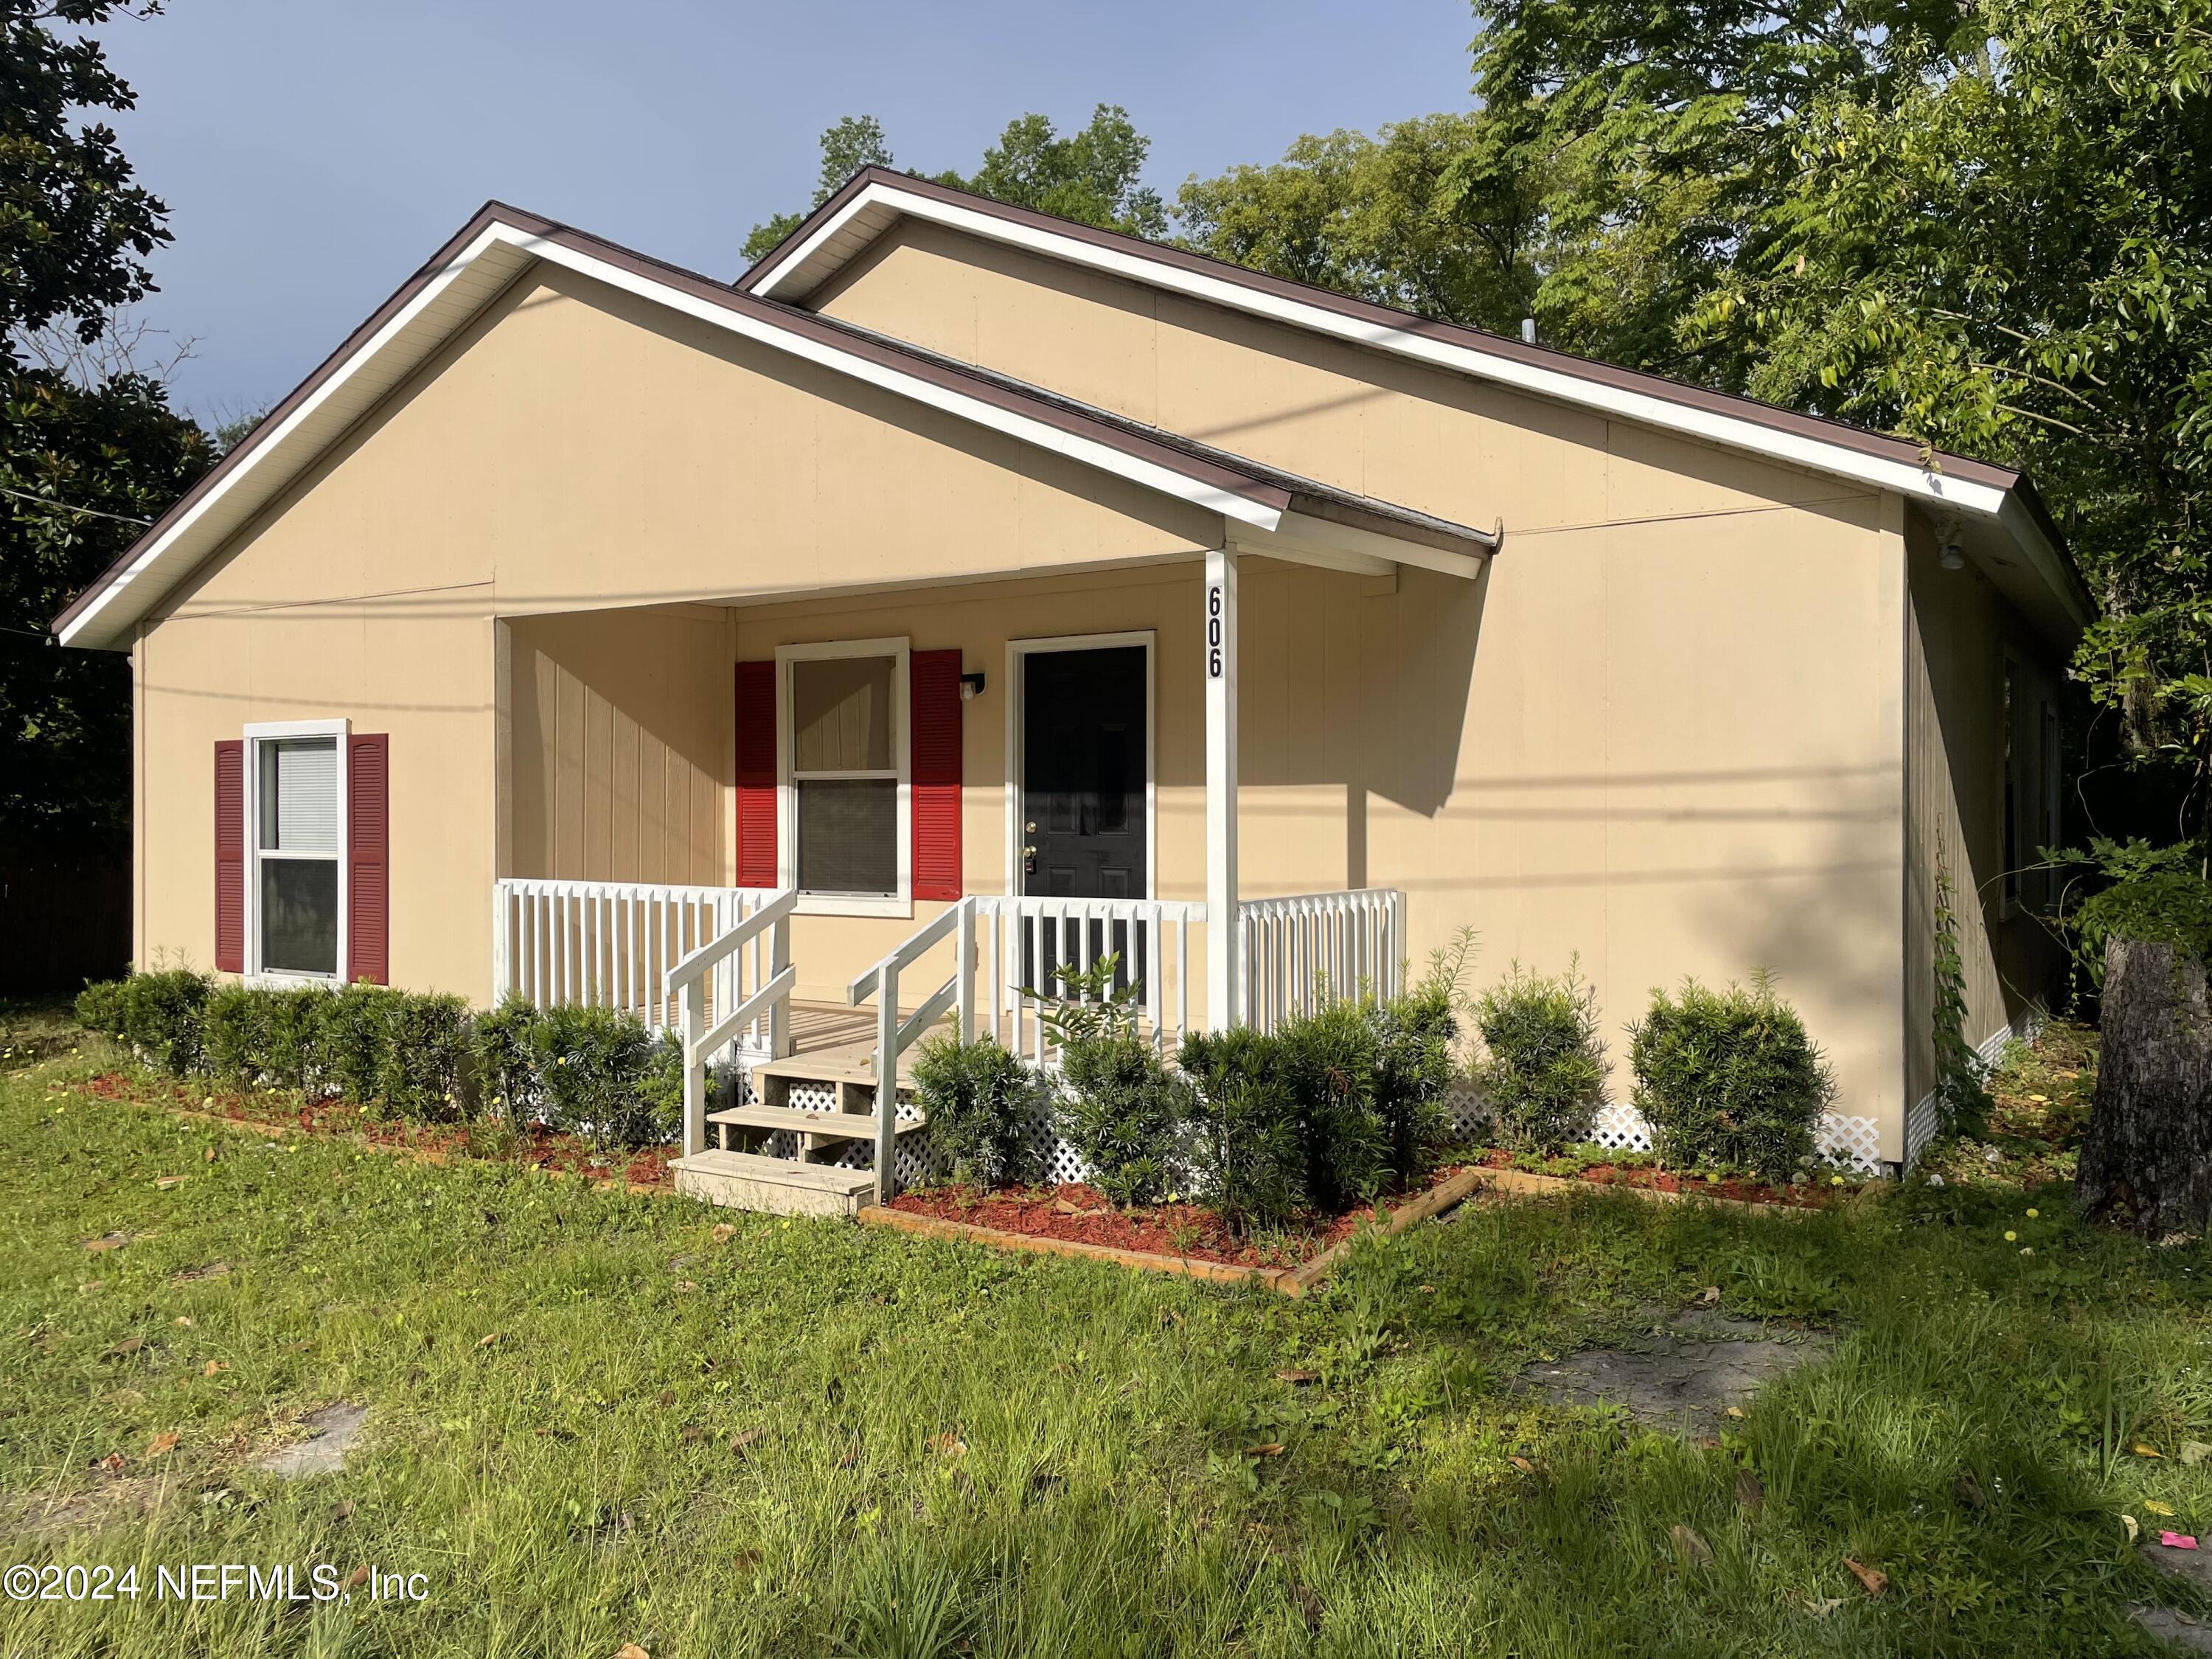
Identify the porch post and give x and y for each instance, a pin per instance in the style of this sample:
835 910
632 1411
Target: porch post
1225 1002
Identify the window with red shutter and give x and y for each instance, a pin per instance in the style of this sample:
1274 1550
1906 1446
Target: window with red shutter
756 781
230 857
934 716
368 858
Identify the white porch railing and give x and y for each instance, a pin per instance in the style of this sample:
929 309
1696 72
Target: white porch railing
612 943
894 1036
767 1005
1024 939
1302 952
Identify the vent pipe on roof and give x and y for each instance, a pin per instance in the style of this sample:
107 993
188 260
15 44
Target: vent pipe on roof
1528 331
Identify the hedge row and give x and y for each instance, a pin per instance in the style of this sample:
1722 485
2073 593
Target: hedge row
592 1072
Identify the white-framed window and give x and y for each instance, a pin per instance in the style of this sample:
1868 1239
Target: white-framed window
842 751
296 847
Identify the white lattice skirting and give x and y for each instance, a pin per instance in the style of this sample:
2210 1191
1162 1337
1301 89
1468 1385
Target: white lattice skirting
1925 1122
1852 1142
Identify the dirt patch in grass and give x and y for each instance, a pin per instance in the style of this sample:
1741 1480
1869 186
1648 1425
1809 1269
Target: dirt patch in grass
1078 1214
1651 1178
2040 1100
1685 1375
532 1145
331 1434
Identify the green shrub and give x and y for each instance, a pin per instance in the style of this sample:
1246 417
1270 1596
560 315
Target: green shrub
499 1044
100 1006
1729 1078
592 1065
2165 909
356 1032
1544 1071
1247 1134
1118 1108
1328 1061
422 1059
1415 1066
256 1036
162 1017
980 1100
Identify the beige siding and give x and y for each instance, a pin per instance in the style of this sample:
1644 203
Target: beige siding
1961 633
1666 731
574 449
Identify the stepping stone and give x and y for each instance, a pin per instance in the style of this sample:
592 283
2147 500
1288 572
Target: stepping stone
1683 1376
331 1431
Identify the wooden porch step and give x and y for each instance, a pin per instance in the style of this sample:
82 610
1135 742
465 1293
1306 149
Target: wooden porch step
777 1186
841 1126
833 1065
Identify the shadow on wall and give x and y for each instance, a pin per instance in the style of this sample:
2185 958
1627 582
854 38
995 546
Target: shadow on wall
617 745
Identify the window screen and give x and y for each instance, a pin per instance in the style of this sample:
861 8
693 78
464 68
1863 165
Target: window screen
845 775
296 886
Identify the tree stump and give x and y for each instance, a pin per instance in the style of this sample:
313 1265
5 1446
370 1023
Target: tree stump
2147 1159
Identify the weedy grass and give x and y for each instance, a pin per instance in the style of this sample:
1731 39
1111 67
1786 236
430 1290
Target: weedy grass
960 1451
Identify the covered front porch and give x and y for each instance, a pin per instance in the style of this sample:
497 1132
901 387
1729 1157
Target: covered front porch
912 826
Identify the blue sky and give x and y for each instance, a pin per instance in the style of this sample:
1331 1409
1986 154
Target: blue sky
313 154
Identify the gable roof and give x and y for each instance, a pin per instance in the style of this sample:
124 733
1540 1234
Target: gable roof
876 200
500 243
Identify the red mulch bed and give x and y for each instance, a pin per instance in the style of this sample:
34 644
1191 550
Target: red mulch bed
534 1145
1669 1180
1081 1215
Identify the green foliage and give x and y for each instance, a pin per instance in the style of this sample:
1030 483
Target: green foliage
1961 1101
1325 1112
980 1100
2174 908
1117 1106
75 231
1093 175
1248 1130
1543 1076
499 1044
1729 1078
100 1006
162 1015
1436 215
404 1055
592 1066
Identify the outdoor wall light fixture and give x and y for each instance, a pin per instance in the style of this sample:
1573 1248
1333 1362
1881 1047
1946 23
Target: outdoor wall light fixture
971 687
1952 556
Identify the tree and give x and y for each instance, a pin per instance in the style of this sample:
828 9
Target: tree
1436 215
75 231
2009 252
89 449
2146 1157
1093 175
849 143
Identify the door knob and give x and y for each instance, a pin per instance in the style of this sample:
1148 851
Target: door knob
1030 828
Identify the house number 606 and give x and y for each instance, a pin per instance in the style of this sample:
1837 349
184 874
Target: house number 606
1213 630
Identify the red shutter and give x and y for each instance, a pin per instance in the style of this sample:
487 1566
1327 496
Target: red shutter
934 709
756 827
230 857
368 858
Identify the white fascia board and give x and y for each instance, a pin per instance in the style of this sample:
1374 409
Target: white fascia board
1800 448
401 320
2027 533
1103 457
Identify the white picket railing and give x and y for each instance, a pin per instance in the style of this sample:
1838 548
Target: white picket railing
612 943
1024 939
1302 952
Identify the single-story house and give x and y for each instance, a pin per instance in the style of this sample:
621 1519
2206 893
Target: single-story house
959 571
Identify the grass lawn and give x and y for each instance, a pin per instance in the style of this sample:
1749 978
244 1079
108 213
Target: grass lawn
942 1450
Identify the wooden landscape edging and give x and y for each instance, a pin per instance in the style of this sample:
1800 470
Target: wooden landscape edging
1290 1281
1522 1181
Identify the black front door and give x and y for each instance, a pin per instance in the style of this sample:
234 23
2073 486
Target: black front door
1085 830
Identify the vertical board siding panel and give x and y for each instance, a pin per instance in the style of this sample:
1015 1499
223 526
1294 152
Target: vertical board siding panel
230 856
756 781
368 858
568 770
933 711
